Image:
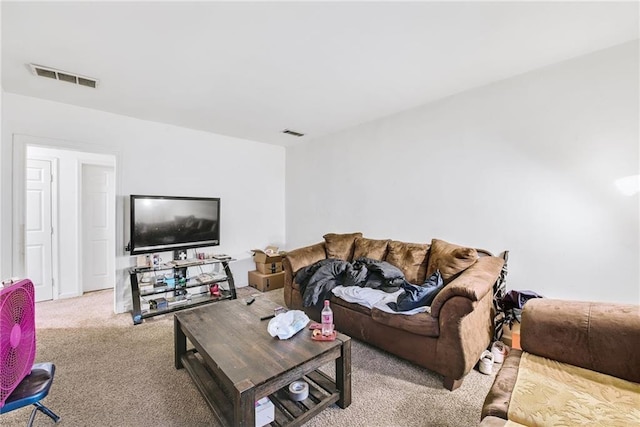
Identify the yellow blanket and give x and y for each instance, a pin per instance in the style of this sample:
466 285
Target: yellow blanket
551 393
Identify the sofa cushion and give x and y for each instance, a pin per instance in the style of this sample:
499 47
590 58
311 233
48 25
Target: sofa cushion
419 324
369 248
450 259
340 246
548 390
411 258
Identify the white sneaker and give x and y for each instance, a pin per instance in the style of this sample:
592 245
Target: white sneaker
486 362
499 351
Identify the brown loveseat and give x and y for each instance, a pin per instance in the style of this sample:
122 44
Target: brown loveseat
578 365
449 339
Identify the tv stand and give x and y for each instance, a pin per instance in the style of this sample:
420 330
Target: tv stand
166 295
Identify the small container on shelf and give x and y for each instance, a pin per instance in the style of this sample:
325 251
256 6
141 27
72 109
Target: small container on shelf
215 290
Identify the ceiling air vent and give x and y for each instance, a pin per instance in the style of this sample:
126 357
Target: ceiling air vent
64 76
292 132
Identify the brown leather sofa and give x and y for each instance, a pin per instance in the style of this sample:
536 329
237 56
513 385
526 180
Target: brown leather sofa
449 339
578 365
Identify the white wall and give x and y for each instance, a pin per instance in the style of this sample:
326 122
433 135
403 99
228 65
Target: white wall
154 158
526 164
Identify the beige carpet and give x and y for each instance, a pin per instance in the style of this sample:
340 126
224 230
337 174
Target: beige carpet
111 373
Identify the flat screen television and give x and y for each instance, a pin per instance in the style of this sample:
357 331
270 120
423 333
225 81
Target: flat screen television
164 223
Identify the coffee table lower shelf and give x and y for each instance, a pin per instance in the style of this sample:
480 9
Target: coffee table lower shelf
322 393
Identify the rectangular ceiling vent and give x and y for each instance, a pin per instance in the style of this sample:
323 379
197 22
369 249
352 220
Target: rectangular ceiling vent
52 73
292 132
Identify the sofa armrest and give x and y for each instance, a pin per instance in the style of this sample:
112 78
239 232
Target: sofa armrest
473 283
602 337
294 261
497 402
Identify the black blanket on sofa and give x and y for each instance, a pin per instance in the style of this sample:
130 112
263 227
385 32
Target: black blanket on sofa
318 279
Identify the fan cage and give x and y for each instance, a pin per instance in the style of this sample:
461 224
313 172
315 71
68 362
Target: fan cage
17 335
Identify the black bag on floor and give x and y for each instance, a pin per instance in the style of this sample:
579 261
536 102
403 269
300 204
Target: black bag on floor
512 304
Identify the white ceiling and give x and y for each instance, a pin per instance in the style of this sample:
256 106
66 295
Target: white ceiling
250 70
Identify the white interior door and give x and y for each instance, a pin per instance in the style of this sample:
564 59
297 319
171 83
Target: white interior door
38 228
98 227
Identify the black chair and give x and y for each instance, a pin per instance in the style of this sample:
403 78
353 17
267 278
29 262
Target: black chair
31 390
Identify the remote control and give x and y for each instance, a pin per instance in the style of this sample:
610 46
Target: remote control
249 301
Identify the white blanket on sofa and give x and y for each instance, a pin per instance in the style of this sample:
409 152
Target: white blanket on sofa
374 298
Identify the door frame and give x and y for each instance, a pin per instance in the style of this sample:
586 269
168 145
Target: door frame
18 185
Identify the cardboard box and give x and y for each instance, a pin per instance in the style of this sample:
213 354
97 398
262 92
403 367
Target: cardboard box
511 337
269 255
265 412
269 268
266 282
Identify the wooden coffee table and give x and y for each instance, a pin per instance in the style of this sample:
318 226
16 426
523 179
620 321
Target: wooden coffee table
235 362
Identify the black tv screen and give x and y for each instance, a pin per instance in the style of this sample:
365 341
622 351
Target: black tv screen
163 223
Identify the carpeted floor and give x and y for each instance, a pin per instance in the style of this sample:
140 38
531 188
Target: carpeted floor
111 373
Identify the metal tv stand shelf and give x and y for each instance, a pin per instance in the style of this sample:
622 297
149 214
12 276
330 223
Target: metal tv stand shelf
176 295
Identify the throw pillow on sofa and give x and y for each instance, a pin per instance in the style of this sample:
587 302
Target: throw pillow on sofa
450 259
370 248
340 246
411 258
